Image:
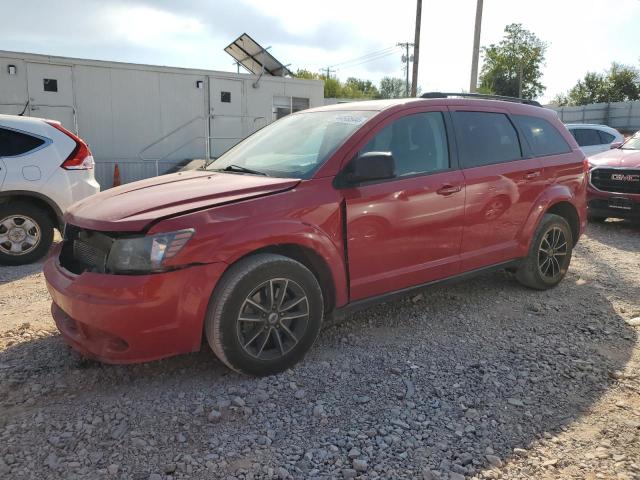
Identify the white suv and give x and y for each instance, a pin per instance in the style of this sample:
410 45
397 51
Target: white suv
592 138
44 168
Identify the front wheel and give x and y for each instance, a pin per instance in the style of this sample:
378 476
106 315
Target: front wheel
26 233
264 315
549 255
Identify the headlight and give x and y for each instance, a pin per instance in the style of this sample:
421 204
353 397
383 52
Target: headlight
146 254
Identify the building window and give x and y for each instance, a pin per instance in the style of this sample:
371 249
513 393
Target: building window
50 84
283 106
225 97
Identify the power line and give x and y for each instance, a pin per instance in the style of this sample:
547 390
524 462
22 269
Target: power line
393 52
365 56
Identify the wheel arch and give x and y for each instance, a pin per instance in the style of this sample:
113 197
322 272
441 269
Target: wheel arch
559 200
42 201
569 212
309 258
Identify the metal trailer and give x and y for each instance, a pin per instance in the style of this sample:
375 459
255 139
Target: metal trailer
145 118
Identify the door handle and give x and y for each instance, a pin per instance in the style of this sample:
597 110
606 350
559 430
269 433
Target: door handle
448 189
532 175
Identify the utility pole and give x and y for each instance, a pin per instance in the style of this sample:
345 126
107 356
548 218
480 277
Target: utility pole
473 86
416 50
406 59
327 71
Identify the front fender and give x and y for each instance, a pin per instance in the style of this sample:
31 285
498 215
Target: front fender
554 194
230 243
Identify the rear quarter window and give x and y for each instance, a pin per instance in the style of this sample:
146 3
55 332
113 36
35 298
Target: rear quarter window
542 136
14 143
485 138
606 137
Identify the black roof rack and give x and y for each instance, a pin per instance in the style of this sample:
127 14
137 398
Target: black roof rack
481 96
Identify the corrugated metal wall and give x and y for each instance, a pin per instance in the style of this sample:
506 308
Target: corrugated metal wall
620 115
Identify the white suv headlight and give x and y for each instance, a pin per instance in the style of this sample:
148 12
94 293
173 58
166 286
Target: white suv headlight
147 253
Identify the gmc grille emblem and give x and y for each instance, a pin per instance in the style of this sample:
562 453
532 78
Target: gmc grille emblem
625 178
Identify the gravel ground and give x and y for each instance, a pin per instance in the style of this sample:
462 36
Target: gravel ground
482 379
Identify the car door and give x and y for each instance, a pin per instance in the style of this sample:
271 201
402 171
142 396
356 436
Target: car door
589 140
502 182
407 230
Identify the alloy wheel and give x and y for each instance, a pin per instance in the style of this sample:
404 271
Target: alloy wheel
19 235
552 252
272 319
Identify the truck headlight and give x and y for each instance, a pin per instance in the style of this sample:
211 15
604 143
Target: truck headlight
146 253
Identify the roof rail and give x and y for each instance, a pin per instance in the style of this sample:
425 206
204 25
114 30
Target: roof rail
481 96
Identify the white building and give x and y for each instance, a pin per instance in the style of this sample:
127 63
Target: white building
148 118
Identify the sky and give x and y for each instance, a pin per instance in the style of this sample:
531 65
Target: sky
582 35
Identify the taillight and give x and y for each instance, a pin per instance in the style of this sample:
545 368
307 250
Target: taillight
81 157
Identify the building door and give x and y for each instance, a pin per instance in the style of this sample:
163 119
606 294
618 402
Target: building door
50 90
225 108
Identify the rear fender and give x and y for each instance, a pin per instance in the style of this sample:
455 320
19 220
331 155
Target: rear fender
552 195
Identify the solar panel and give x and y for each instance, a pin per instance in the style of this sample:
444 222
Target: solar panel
256 59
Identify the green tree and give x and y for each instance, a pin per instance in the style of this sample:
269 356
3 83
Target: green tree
618 84
306 74
358 88
393 88
512 67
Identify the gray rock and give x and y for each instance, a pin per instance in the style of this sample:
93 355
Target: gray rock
214 416
348 473
493 460
119 431
360 465
318 411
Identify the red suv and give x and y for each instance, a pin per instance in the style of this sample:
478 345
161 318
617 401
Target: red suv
318 213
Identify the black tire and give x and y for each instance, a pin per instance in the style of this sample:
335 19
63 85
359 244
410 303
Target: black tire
547 262
252 281
595 218
19 211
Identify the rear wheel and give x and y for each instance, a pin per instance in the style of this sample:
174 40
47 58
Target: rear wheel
549 255
264 315
26 233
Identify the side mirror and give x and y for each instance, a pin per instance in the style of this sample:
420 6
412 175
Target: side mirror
369 167
616 145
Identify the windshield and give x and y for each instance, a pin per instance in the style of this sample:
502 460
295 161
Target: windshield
294 146
633 143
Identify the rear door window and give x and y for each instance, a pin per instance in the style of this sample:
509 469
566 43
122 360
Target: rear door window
485 138
14 143
586 137
542 136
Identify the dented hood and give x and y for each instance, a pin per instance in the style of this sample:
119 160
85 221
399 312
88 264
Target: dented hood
133 206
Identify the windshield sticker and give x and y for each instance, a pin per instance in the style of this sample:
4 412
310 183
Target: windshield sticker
350 119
